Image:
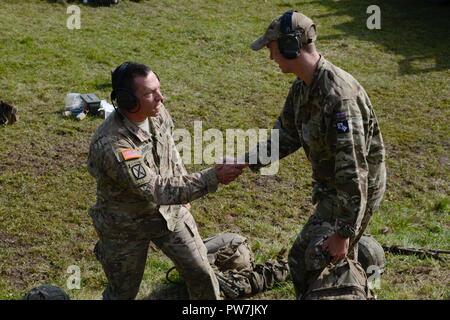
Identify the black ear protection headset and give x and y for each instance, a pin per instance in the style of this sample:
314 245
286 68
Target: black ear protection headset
123 96
290 42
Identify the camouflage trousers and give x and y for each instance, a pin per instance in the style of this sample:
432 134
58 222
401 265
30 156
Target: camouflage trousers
238 275
122 250
306 258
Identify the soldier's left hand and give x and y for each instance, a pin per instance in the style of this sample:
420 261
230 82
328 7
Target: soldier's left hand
336 246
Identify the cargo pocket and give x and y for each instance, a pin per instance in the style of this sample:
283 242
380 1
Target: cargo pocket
192 228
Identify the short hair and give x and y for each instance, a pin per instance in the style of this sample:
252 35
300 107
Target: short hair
123 76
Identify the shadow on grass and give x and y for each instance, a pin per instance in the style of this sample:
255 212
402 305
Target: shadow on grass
103 86
79 2
417 30
169 291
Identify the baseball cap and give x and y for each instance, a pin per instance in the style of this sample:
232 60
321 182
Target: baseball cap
273 32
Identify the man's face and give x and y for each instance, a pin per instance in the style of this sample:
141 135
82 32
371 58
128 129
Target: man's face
149 94
276 55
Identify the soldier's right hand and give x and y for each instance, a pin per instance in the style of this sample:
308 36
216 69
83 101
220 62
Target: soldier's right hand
226 173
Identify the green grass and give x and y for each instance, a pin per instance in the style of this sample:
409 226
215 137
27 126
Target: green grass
201 51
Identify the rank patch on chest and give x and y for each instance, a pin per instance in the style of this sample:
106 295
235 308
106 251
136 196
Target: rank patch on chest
138 171
129 154
342 126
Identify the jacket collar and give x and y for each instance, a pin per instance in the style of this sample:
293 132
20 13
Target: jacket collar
318 73
132 128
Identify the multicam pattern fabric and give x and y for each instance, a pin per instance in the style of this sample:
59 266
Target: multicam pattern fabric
334 121
343 281
142 185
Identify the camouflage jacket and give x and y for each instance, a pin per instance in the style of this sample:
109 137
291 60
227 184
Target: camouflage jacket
334 121
139 175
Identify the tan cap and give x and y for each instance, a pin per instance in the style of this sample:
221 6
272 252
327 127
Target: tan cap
273 32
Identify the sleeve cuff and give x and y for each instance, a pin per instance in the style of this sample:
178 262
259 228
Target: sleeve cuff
210 178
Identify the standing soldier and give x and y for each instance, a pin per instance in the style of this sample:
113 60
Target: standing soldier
328 113
143 190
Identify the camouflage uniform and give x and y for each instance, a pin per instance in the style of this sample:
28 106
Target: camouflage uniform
141 186
333 120
232 260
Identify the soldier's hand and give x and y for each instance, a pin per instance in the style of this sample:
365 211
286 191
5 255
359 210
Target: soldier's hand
187 206
336 246
226 173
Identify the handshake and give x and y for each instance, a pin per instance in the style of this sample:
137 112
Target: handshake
228 170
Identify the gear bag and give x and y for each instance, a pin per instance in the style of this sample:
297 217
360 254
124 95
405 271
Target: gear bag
229 251
345 280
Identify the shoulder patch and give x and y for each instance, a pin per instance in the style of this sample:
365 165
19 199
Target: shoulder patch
129 154
138 171
342 126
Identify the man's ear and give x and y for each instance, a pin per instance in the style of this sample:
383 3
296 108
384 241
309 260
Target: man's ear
138 106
